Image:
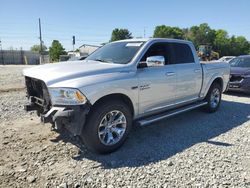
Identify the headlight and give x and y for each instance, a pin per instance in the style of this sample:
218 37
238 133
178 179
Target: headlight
66 96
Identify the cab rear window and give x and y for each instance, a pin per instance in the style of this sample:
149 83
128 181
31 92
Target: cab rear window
182 53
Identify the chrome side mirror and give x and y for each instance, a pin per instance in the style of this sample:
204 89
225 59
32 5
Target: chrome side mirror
155 61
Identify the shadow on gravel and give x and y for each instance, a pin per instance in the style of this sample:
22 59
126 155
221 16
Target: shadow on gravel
218 143
164 139
237 93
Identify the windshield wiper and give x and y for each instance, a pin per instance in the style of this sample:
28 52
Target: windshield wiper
102 60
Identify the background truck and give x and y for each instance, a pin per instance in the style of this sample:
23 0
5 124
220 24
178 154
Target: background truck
136 81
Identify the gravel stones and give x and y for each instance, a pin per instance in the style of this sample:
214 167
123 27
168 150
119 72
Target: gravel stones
31 179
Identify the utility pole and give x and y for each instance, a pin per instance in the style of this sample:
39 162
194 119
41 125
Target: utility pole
40 37
73 42
22 55
2 61
144 32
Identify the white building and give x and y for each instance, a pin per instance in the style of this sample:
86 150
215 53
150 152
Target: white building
87 49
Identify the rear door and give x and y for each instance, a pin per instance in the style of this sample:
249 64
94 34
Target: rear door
189 73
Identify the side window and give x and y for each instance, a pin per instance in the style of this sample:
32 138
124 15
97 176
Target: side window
158 49
182 53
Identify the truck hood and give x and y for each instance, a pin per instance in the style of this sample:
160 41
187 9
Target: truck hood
240 70
65 71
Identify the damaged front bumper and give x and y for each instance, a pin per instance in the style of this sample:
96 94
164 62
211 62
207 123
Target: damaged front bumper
72 118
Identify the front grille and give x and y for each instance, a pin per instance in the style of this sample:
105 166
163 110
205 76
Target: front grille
38 93
235 78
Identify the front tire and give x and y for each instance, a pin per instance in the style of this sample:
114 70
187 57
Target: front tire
107 127
213 98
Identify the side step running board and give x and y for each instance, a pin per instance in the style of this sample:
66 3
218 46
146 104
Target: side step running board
170 113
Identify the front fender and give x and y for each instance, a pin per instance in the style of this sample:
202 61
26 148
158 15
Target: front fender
124 86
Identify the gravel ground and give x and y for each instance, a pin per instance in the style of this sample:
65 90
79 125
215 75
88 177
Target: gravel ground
11 77
194 149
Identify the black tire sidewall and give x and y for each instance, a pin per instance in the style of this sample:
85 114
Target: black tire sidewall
90 131
208 98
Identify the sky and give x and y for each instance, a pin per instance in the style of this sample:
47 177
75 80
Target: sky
92 21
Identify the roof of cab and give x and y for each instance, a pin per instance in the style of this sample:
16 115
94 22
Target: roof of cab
152 39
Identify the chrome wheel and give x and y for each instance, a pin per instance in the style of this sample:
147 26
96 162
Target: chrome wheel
215 98
112 127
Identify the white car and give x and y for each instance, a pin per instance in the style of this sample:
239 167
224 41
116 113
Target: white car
226 58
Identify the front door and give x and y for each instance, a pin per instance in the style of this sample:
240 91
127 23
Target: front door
156 83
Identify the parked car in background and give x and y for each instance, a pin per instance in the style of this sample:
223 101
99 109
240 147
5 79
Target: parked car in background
240 74
226 58
136 80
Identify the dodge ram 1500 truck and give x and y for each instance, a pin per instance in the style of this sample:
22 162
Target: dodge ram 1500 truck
135 81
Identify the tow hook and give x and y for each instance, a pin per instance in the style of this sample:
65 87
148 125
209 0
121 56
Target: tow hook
56 112
30 107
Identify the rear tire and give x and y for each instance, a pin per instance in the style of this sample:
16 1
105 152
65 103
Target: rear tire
213 98
107 127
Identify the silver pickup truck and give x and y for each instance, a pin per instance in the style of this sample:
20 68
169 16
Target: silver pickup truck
136 81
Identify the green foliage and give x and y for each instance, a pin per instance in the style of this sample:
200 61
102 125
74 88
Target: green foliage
230 46
201 34
222 42
36 48
204 35
56 50
120 34
239 45
164 31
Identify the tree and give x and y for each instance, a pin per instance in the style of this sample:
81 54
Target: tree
239 46
185 33
56 50
204 35
201 34
164 31
120 34
37 48
221 42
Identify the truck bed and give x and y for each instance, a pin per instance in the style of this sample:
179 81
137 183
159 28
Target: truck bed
212 69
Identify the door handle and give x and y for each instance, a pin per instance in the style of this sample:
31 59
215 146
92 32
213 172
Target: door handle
170 74
197 70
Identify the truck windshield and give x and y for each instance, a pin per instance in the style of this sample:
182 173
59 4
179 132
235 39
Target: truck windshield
119 52
240 62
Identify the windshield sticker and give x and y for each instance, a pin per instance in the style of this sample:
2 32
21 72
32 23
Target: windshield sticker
134 44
